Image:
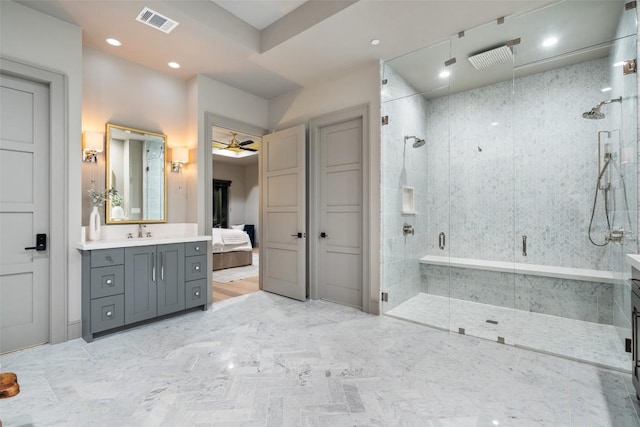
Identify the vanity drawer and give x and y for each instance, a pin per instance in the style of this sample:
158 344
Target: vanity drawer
195 267
196 293
195 248
107 257
107 313
107 281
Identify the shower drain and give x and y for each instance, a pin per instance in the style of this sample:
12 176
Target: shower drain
493 322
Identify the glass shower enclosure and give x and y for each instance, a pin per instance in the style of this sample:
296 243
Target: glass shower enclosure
522 202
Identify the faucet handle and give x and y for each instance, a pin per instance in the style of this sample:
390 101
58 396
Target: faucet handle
148 234
129 235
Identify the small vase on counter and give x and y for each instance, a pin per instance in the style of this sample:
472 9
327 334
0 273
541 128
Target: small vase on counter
94 224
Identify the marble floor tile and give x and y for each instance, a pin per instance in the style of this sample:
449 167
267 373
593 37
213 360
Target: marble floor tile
576 339
264 360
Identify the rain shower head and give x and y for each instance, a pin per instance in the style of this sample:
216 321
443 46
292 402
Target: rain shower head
417 142
595 113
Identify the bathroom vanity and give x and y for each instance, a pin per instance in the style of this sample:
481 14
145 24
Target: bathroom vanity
131 281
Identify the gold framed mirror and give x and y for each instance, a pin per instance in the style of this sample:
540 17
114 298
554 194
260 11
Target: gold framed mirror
136 174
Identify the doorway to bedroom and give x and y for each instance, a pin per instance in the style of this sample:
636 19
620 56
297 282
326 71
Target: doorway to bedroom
236 198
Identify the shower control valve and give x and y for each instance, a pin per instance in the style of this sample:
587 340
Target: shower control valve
408 229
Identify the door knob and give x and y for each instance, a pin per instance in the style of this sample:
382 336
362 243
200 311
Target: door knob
324 235
41 243
298 235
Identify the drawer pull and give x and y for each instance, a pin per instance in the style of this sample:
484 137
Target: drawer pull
109 258
108 281
197 293
197 268
197 248
109 313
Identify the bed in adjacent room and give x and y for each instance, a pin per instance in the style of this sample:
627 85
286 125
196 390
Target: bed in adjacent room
231 248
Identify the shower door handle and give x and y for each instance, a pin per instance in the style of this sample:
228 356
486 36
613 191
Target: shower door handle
524 245
441 240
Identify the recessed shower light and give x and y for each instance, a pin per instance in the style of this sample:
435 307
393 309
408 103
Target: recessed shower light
550 41
375 42
173 64
444 74
605 89
113 42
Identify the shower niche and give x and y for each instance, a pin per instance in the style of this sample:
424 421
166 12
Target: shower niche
535 176
408 201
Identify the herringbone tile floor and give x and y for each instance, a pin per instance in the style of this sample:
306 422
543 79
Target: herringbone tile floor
264 360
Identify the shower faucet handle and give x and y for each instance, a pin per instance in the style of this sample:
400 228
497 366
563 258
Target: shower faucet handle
408 229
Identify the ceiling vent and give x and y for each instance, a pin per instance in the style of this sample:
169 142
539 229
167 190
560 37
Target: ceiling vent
156 20
491 57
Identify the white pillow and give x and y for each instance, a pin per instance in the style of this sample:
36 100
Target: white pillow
238 227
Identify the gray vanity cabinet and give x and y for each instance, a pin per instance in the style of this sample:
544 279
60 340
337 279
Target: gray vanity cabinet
155 281
123 286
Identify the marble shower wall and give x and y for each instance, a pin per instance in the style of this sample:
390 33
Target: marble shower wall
403 165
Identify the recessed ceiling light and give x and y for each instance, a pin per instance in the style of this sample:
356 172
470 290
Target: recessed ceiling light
113 42
375 42
173 64
444 74
605 89
494 124
618 64
550 41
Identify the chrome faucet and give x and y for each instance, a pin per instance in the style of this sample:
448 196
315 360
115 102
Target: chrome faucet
141 228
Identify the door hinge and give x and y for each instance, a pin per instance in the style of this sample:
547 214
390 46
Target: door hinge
385 120
629 67
627 345
384 296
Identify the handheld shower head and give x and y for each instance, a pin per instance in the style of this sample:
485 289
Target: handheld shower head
417 142
595 113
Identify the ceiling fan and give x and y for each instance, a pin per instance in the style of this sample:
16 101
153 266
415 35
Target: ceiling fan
234 145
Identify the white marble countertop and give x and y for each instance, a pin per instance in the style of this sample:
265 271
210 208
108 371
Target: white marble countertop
634 261
140 241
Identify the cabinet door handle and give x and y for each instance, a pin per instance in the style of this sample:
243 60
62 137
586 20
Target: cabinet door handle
197 268
108 281
153 269
162 266
197 248
197 293
109 313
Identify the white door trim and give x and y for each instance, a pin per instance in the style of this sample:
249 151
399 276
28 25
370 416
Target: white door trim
206 188
58 240
360 112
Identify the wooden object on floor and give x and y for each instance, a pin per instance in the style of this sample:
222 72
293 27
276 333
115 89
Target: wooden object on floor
223 291
9 386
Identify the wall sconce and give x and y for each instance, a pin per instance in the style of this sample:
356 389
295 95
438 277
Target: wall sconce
92 144
179 157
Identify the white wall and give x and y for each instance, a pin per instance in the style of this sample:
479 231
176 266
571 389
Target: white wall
124 93
36 39
357 87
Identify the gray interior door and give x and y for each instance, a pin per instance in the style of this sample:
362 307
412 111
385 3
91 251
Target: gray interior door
283 187
340 252
24 212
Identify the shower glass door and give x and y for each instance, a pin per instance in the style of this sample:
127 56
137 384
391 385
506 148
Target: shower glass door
575 181
415 187
481 184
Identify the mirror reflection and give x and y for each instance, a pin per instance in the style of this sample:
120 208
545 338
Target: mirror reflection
136 175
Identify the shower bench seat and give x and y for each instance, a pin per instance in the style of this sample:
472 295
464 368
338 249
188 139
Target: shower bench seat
600 276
